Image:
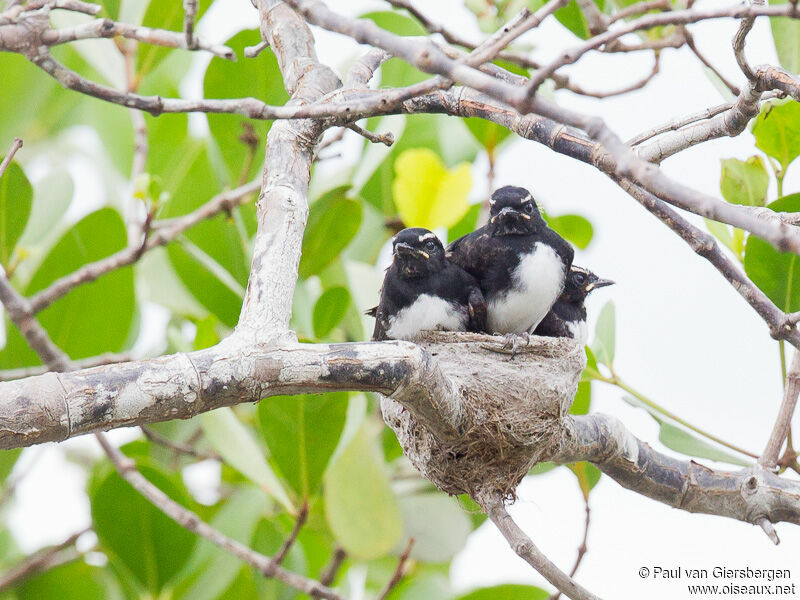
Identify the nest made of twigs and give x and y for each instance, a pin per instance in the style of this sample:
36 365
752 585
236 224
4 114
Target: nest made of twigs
513 408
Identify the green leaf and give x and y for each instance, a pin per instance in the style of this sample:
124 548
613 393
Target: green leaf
541 468
571 17
8 458
16 198
257 77
267 540
583 399
426 193
427 585
680 440
777 274
359 503
603 345
467 224
490 135
333 221
206 334
51 199
684 442
330 310
508 591
744 182
786 35
777 131
722 232
302 432
574 228
437 523
74 580
136 535
235 444
84 322
588 475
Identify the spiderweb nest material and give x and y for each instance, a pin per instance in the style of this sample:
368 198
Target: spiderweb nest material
513 408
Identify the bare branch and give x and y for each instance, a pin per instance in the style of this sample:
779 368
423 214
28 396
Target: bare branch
693 47
163 233
387 139
329 572
106 28
189 15
739 41
190 521
41 561
769 458
302 516
572 87
398 572
15 146
364 68
524 547
677 17
155 437
747 495
639 8
21 314
86 363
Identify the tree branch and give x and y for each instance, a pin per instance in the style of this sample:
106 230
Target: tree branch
41 561
769 458
524 547
190 521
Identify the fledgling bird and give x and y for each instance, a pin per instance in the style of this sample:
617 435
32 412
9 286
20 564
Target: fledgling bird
567 318
422 290
520 262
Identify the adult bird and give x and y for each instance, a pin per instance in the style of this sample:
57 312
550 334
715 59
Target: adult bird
422 290
520 262
567 318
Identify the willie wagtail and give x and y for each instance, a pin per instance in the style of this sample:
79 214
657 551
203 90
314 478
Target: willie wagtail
520 262
422 290
567 318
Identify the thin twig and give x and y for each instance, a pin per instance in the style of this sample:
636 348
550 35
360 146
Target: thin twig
398 572
42 560
152 435
190 521
387 139
164 232
769 458
524 547
582 549
302 516
15 145
739 40
189 15
85 363
693 47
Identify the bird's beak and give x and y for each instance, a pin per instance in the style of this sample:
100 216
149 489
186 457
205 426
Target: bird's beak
507 211
598 284
407 250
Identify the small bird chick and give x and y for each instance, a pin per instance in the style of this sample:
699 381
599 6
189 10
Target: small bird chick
423 290
567 318
520 262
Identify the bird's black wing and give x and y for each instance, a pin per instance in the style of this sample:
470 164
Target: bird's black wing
477 310
379 333
466 253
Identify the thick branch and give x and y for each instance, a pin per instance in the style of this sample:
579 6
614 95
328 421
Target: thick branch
55 407
747 495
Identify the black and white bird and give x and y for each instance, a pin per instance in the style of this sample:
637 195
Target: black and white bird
520 262
422 290
567 318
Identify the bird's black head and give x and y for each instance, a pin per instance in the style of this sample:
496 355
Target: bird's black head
417 252
513 211
580 283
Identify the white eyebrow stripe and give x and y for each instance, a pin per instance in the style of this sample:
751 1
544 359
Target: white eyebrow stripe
580 269
422 238
528 197
492 200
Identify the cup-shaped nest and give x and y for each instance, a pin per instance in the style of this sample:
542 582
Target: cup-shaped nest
512 411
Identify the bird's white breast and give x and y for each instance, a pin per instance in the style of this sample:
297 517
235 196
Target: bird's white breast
427 312
536 284
579 330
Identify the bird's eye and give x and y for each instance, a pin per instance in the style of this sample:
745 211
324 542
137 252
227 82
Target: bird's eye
430 245
580 278
528 208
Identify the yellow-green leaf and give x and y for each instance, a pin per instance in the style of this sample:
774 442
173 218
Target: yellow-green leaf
427 193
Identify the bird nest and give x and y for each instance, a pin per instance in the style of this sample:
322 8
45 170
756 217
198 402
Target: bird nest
513 409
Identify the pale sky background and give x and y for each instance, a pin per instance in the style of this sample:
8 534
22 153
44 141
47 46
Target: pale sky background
685 338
